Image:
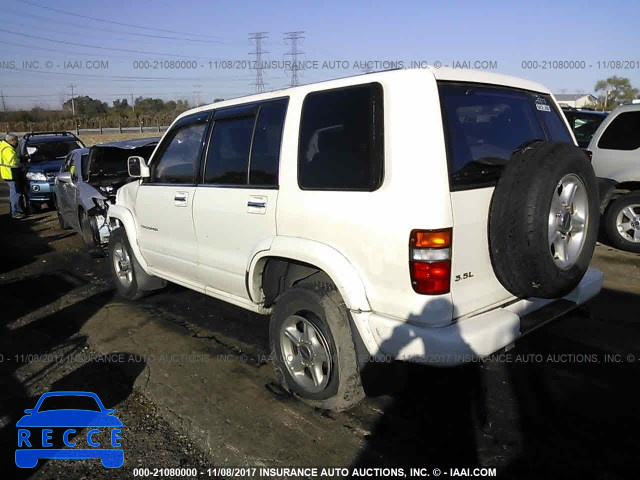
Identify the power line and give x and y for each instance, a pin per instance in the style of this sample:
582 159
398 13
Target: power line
103 48
124 77
115 23
258 37
91 28
294 38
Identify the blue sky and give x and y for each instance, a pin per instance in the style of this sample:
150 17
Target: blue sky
206 32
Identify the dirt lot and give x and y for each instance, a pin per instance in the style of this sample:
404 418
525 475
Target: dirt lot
189 377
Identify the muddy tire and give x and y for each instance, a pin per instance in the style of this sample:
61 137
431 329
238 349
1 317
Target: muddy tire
312 347
543 221
622 222
90 236
122 263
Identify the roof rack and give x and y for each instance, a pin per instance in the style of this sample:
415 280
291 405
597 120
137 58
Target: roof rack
32 134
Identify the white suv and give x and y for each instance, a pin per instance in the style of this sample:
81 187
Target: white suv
429 216
616 161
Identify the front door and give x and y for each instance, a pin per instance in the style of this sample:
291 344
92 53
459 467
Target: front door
164 204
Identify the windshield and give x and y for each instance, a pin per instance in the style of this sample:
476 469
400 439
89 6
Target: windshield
485 125
67 402
44 152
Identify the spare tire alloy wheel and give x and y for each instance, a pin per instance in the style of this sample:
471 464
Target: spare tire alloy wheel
543 222
568 221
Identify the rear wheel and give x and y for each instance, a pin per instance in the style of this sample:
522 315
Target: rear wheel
312 348
622 222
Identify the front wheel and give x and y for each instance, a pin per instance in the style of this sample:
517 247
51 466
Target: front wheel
122 265
622 222
312 347
90 235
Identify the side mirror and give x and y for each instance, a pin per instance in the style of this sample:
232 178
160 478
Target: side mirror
137 167
64 177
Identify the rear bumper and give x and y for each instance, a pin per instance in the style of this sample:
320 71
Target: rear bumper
474 337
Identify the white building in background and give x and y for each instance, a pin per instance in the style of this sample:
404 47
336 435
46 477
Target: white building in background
576 100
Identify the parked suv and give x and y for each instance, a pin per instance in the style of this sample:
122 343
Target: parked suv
42 153
423 215
616 161
584 123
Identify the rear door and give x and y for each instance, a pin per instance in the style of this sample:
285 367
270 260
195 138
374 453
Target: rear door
235 206
484 125
164 203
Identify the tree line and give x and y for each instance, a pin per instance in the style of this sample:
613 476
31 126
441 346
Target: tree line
89 112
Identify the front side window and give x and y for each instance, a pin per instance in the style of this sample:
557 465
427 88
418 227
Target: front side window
623 133
178 160
341 146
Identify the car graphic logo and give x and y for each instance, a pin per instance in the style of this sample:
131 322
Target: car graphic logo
36 435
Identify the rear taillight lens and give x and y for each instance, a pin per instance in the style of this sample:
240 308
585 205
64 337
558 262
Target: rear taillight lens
430 261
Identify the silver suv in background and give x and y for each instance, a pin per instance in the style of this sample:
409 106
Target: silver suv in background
616 161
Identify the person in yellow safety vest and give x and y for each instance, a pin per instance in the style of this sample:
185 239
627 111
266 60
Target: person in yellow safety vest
11 173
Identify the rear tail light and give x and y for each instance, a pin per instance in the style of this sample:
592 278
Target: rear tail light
430 261
589 154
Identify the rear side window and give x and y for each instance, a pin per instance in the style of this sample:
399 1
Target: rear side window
623 133
229 151
341 145
245 145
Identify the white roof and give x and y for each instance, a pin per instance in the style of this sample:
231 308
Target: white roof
450 74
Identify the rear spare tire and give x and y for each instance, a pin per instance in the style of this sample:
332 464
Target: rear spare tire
543 221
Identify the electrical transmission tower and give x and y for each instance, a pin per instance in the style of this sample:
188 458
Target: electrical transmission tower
197 94
258 37
294 38
73 105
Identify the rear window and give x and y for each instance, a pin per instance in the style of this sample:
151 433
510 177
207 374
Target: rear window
485 125
623 133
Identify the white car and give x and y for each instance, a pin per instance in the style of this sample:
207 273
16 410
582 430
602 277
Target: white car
616 161
423 215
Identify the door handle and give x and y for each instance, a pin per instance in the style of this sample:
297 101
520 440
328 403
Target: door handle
180 199
257 204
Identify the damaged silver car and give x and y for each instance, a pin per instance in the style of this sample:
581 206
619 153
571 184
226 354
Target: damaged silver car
87 185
